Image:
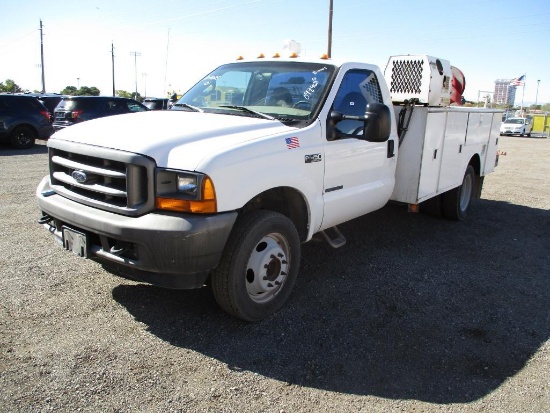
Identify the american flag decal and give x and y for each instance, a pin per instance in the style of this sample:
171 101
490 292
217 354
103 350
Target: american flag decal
292 143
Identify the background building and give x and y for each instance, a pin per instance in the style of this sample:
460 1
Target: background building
504 94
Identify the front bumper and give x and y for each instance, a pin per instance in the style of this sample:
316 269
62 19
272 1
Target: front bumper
165 249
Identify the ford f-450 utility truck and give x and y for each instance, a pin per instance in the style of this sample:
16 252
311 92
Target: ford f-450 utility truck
253 161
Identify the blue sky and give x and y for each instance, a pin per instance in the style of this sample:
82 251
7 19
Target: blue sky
180 40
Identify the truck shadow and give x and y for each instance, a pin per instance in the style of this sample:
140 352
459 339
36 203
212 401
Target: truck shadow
413 307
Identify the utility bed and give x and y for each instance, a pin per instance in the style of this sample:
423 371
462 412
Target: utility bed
439 143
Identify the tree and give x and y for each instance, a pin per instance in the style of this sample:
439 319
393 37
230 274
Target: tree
130 95
10 87
69 90
545 107
83 91
88 91
123 94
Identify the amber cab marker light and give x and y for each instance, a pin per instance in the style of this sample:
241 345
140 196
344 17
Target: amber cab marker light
240 58
261 56
276 55
293 55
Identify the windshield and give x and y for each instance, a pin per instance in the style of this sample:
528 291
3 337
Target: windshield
281 90
514 120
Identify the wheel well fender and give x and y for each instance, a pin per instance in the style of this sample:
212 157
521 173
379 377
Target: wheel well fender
24 125
287 201
475 162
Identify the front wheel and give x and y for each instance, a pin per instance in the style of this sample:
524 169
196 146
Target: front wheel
455 203
258 267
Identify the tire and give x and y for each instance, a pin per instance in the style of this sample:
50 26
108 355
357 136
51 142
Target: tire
23 137
455 203
258 267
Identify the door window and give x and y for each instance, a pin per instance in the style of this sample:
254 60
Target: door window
358 88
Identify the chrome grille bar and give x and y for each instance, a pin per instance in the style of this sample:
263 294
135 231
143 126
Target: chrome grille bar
116 181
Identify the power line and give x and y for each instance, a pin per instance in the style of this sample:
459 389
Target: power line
18 39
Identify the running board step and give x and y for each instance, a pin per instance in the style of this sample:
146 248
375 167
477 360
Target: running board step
337 240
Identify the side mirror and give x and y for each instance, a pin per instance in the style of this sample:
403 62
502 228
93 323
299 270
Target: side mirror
377 123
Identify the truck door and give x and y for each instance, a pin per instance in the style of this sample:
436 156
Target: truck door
359 175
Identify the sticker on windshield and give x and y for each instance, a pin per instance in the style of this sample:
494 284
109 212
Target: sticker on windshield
314 83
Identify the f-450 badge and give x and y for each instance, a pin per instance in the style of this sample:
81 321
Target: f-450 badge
316 157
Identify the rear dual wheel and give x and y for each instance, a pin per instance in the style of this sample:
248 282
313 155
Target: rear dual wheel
455 203
259 266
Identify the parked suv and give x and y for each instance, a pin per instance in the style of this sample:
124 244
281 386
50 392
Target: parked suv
50 101
156 103
23 119
75 109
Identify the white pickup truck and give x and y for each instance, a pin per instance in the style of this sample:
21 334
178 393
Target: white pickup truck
253 161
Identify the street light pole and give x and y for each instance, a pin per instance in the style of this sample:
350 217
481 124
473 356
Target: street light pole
537 95
135 54
145 84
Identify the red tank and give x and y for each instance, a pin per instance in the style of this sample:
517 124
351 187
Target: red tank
458 84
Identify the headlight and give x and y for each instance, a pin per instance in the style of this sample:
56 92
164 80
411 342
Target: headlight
184 192
187 184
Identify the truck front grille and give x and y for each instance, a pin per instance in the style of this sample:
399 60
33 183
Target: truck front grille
116 181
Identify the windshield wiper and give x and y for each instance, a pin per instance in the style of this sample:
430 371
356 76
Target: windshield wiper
247 110
193 108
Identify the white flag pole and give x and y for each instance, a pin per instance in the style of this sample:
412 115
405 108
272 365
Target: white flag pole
523 94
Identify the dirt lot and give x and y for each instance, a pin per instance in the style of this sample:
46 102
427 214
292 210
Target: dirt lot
415 313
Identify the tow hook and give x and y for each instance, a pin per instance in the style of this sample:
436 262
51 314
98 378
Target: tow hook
119 249
44 219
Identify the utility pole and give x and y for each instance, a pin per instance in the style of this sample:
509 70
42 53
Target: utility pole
135 54
113 60
537 95
42 58
329 47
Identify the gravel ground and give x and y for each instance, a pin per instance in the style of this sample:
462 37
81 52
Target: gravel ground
415 313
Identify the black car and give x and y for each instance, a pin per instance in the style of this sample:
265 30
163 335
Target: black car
51 102
23 119
75 109
156 103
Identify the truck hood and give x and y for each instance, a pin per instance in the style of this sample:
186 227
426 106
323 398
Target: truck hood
158 134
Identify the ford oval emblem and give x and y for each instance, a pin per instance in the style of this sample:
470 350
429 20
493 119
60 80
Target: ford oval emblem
79 176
